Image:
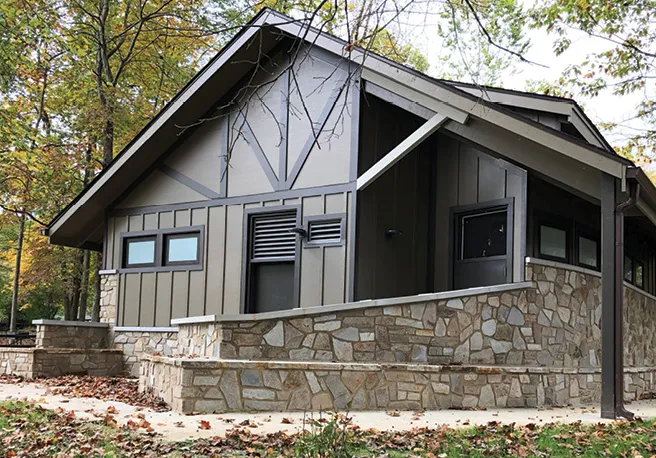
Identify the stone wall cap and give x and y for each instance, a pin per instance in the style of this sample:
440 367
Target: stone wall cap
369 303
77 351
582 270
145 329
208 363
78 324
108 272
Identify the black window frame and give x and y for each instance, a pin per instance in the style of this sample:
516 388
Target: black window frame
636 263
553 222
160 236
586 233
181 235
126 251
631 272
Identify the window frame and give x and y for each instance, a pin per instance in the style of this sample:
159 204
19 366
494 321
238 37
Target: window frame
125 261
586 233
307 220
554 222
246 262
636 263
160 239
181 235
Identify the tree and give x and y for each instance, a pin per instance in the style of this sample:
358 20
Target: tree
624 66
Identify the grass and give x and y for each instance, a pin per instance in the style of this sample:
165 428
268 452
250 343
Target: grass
30 431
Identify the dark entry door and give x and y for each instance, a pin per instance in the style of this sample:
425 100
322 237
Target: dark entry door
482 245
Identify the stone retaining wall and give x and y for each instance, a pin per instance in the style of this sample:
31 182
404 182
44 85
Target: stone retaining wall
70 334
555 323
16 361
53 362
137 342
208 385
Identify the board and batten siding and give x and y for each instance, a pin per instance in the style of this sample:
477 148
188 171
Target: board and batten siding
154 298
466 175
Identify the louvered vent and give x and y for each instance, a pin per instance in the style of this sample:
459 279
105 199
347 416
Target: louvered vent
272 238
325 231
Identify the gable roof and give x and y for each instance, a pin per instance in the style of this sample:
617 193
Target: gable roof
81 223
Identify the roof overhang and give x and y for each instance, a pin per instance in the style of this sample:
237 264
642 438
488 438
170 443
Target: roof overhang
82 222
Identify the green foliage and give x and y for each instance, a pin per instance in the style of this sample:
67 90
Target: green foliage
622 66
329 437
482 39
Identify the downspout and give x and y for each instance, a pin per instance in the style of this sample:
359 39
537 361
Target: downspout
631 201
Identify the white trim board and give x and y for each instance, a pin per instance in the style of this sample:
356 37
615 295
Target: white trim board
401 150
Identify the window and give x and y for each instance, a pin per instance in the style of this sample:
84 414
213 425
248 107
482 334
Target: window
163 249
553 242
270 279
483 235
639 274
588 252
140 251
628 269
181 249
325 230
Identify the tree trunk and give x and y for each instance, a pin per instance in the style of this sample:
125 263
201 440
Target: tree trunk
95 311
75 290
84 286
17 271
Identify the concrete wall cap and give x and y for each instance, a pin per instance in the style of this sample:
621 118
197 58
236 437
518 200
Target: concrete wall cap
78 324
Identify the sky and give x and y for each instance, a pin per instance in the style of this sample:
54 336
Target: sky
603 108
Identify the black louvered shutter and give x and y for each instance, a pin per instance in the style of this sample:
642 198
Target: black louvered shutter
325 231
272 239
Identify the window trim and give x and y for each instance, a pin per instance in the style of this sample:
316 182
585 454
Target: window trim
126 251
249 213
181 235
307 243
159 235
586 233
554 222
637 262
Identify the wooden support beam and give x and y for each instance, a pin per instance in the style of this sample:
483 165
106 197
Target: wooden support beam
403 148
415 96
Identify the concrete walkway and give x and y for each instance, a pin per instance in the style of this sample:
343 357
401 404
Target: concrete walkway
174 426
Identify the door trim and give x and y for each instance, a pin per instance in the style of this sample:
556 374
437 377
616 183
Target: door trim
245 262
455 212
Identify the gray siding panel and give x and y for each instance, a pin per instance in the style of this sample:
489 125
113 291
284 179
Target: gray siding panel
215 259
147 300
180 298
233 263
132 298
163 299
333 274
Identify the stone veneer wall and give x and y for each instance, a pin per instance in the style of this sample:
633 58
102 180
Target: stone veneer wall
69 334
209 385
53 362
135 343
16 361
108 296
555 323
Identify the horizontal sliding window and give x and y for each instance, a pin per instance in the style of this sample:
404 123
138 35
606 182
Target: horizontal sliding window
140 251
553 242
181 248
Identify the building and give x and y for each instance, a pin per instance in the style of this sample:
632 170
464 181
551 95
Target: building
298 208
